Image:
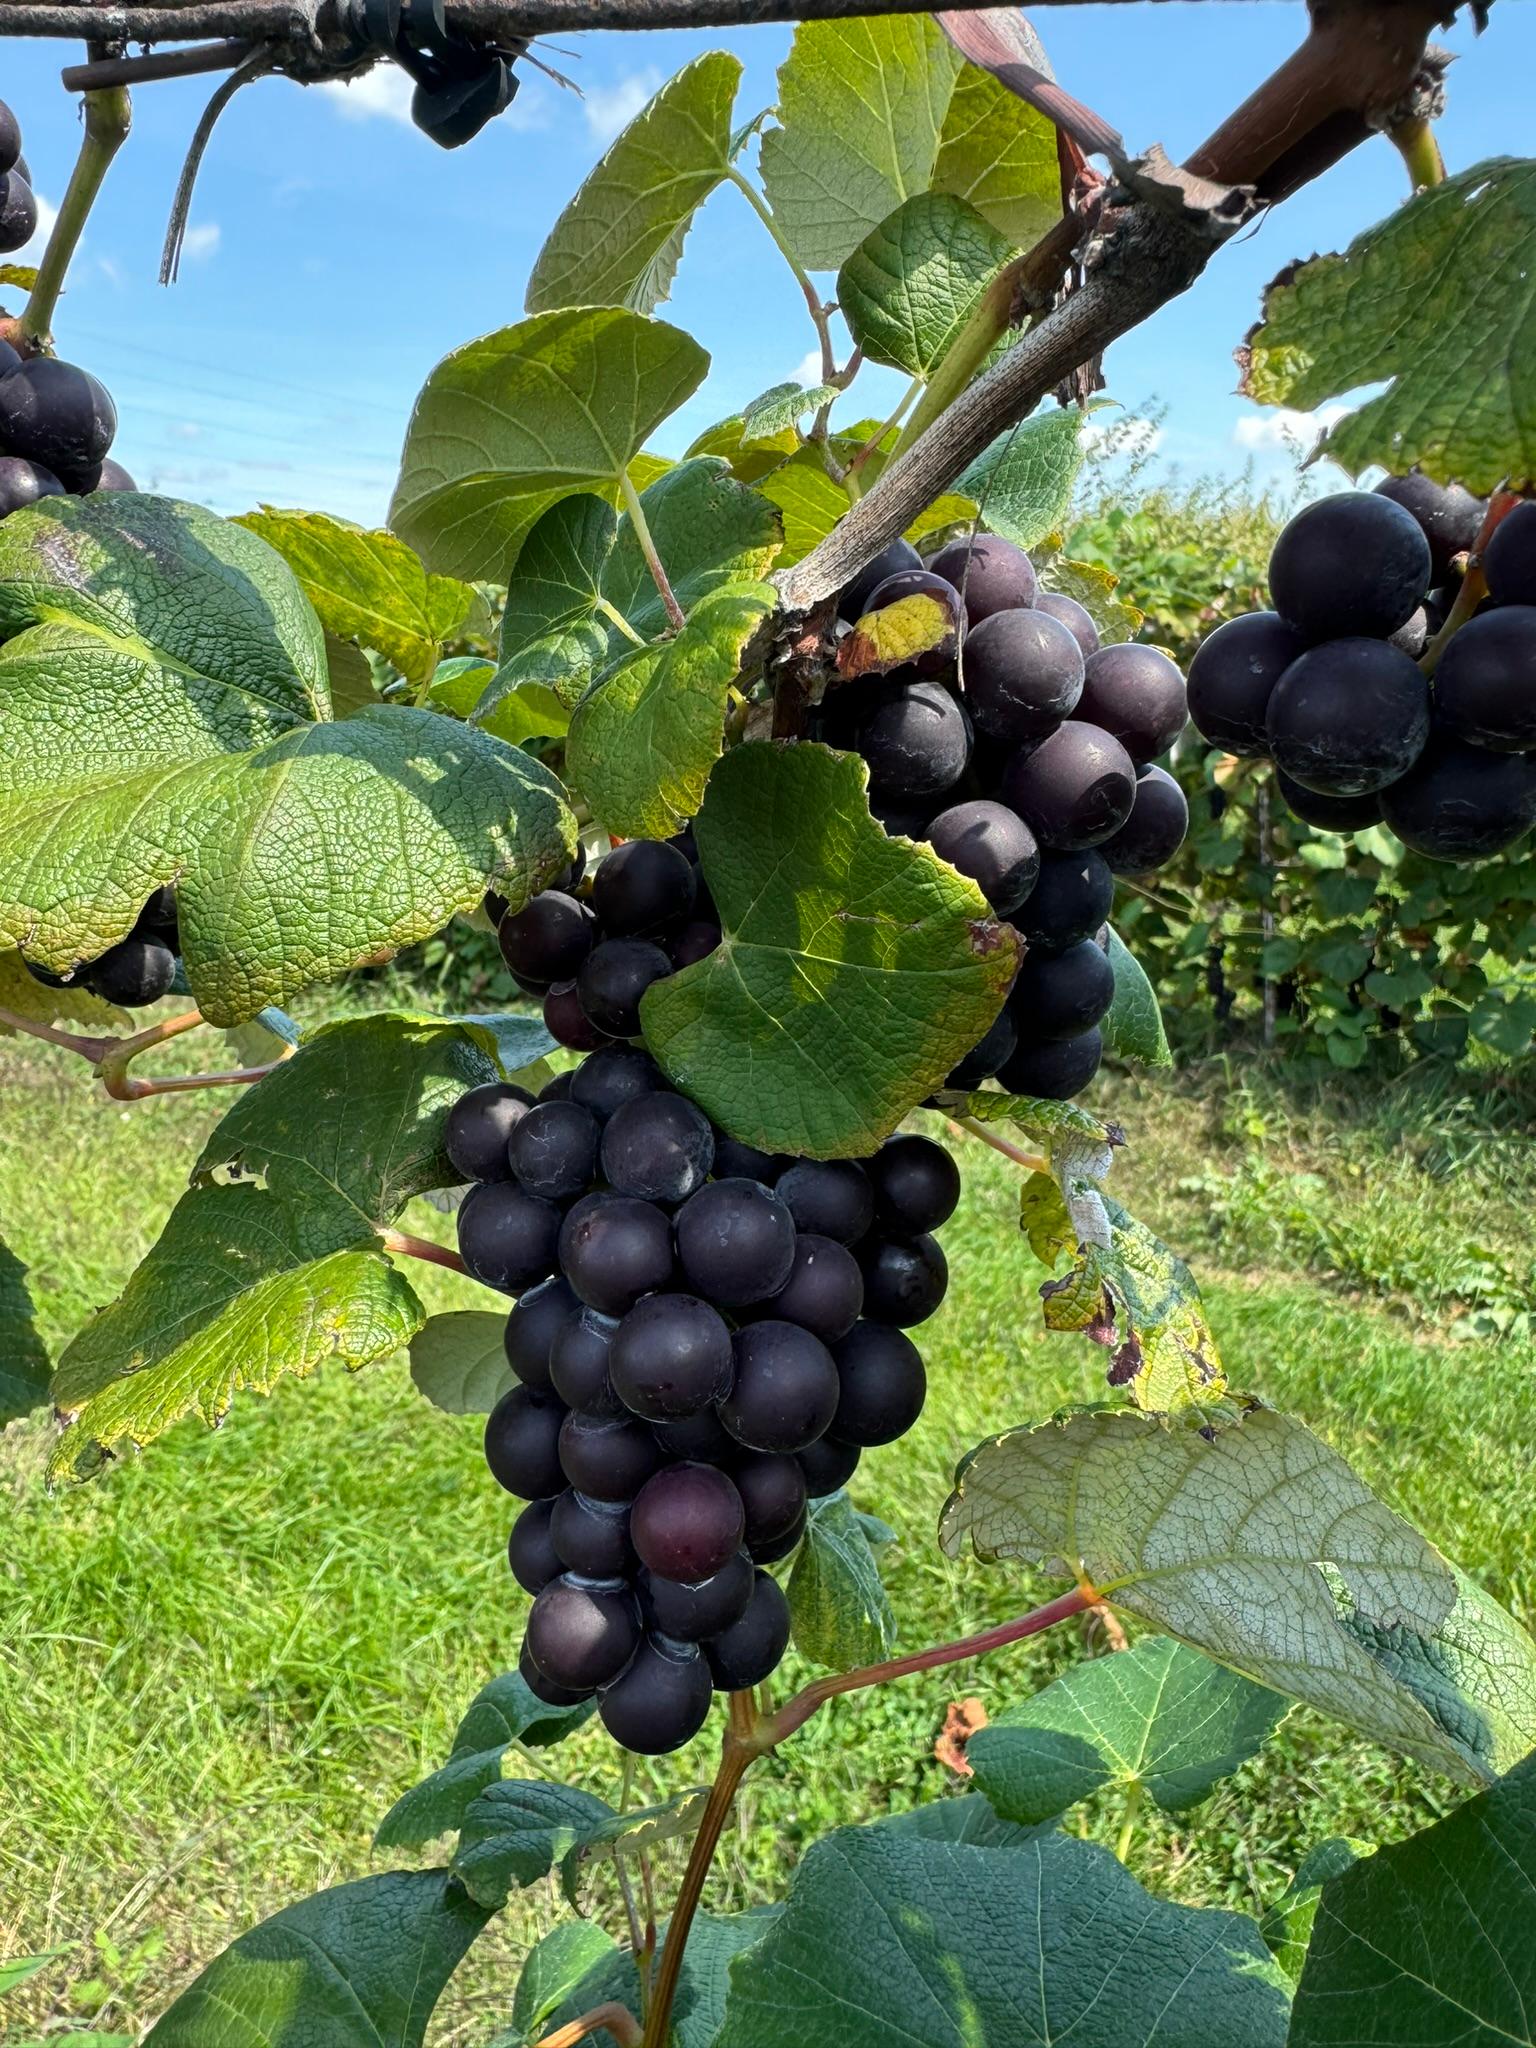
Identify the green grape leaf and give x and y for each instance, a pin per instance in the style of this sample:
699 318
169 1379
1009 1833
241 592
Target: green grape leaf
809 501
353 1967
1047 1941
517 1830
912 284
501 1713
571 1951
1095 589
1000 155
645 737
24 1366
619 240
839 1608
1049 1121
780 406
709 531
749 459
966 1818
1159 1718
508 425
1408 303
1287 1922
1254 1542
1023 482
459 1361
368 587
271 1263
164 718
853 972
714 1942
861 107
1430 1939
20 277
642 1828
1134 1026
459 683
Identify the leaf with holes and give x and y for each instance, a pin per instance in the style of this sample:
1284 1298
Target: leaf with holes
1023 482
459 1361
1000 155
840 1610
23 1354
853 972
909 289
636 1831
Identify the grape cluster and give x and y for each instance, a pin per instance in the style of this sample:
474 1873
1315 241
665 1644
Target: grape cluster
56 421
137 970
1329 685
1025 756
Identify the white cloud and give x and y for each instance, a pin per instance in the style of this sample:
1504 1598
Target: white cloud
609 108
47 214
808 370
1293 433
382 94
185 430
202 241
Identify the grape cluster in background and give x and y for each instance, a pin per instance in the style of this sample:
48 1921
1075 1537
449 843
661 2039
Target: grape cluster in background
706 1337
1332 686
1026 755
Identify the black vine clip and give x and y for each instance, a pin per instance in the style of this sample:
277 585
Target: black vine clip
461 81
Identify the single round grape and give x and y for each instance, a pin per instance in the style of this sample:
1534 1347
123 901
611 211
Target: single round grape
824 1291
884 1385
159 918
10 139
993 846
567 1022
828 1197
582 1632
1462 803
1353 565
901 554
553 1150
1056 1071
702 1438
1060 995
917 741
1449 517
1074 788
615 1075
1070 900
1485 684
687 1523
607 1457
750 1650
479 1126
643 887
903 818
735 1242
660 1147
613 978
736 1161
1233 676
1137 694
18 217
991 574
661 1701
1328 813
522 1443
1154 831
671 1357
114 477
771 1549
591 1537
1509 560
508 1240
23 483
580 1357
930 661
530 1549
1349 716
773 1496
50 411
613 1249
1023 674
542 1689
132 973
557 1089
905 1279
547 940
828 1465
695 942
1076 617
689 1613
533 1326
785 1389
986 1055
916 1183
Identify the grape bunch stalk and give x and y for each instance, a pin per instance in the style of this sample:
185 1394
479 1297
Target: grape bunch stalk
1333 685
707 1336
1025 754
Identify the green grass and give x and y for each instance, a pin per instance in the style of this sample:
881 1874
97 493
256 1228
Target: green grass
222 1662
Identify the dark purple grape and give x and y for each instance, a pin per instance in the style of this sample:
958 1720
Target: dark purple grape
548 939
567 1022
1076 617
890 561
553 1150
916 1184
773 1496
824 1291
582 1632
607 1457
643 887
522 1443
735 1242
660 1147
591 1537
18 218
132 973
508 1240
1137 694
613 1249
1351 565
1449 517
988 1053
992 845
917 741
1023 674
1462 803
749 1651
579 1360
883 1383
661 1701
736 1161
689 1613
1509 560
1154 831
50 411
932 661
615 1075
10 143
828 1465
23 483
479 1126
702 1438
991 574
1233 676
1070 900
542 1689
1328 813
114 477
1349 716
695 942
772 1548
785 1390
530 1551
1485 684
613 978
671 1357
905 1279
900 819
533 1326
158 918
558 1089
1074 789
1061 995
1056 1071
828 1197
687 1523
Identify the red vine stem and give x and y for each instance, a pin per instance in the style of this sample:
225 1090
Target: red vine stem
619 2021
92 1049
111 1057
406 1246
1474 585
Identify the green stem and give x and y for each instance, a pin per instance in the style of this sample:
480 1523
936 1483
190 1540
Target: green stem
108 116
1134 1794
1420 152
653 561
908 398
619 623
818 311
1032 1162
990 319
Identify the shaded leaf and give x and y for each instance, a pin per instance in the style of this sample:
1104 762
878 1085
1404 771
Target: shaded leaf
459 1361
1287 1923
517 1830
1134 1026
714 1941
24 1366
1023 482
839 1608
967 1818
571 1951
910 287
75 1008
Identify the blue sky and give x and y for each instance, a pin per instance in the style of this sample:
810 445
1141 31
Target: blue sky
335 254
